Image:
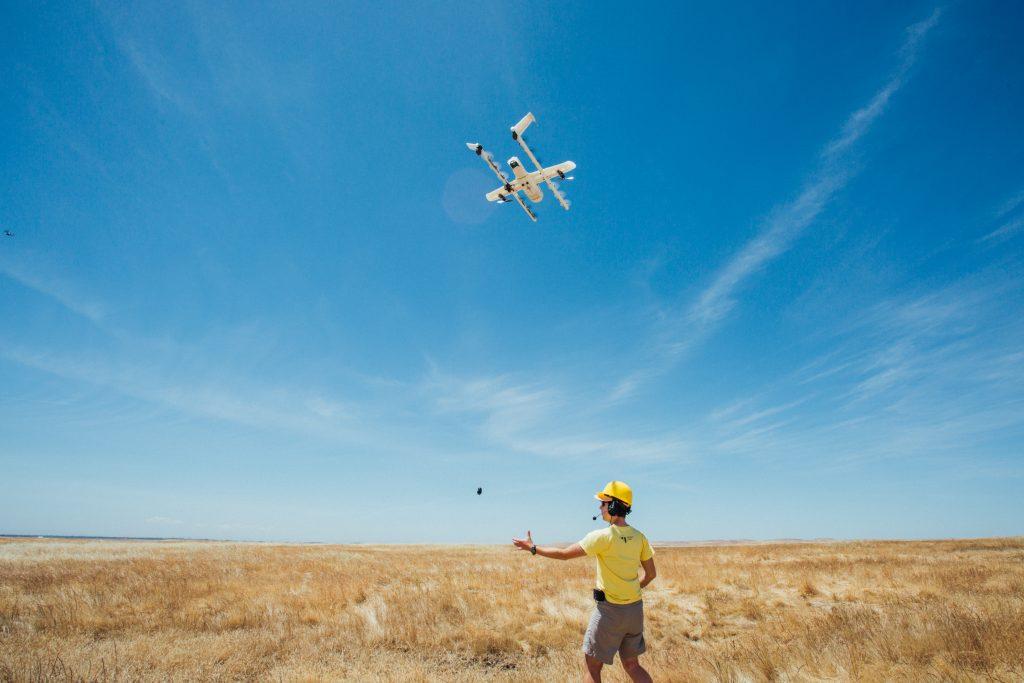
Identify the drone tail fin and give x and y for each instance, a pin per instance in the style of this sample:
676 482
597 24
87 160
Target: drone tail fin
523 124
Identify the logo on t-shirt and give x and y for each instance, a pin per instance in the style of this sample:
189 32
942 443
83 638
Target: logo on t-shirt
626 539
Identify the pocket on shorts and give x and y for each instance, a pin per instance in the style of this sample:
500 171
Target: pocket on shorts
603 635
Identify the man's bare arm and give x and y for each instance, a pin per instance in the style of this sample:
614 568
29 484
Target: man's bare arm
567 553
650 571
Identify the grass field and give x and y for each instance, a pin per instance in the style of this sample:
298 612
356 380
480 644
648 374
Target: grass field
110 610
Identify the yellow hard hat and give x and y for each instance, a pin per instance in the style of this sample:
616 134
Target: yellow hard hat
616 489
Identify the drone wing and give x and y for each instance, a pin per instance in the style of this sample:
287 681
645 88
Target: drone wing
553 173
479 150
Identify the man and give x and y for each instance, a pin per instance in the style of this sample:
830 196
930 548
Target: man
617 624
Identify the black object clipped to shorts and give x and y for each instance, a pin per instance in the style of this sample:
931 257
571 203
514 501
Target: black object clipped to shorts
599 595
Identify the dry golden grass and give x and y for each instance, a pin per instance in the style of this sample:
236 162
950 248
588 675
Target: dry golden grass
102 610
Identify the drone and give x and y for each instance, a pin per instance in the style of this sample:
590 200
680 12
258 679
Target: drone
8 233
527 182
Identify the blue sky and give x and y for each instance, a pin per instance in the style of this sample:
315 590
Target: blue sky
255 291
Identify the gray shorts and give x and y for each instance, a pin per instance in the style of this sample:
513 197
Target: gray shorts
615 628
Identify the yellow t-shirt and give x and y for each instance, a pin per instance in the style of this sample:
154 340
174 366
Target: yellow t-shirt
619 551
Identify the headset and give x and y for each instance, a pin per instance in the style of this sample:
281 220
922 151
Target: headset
616 508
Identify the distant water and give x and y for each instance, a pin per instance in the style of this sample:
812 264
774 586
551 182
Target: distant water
72 537
78 537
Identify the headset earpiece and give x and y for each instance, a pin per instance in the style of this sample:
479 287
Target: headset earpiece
616 508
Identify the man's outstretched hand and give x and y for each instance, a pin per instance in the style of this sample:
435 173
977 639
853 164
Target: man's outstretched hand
523 543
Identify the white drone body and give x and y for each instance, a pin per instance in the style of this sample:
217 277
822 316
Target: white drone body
523 181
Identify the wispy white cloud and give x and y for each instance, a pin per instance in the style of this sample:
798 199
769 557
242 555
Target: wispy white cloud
34 275
728 416
858 123
225 72
505 407
233 401
1010 205
751 439
782 226
923 374
1008 218
540 419
158 78
1006 230
791 219
717 300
